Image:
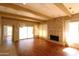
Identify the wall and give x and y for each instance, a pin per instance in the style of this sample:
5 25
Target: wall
55 27
36 31
58 27
16 24
43 30
0 30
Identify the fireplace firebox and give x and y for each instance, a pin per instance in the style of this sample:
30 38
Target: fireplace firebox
54 37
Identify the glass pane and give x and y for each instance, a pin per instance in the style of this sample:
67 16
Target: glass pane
30 32
73 33
7 32
22 32
25 32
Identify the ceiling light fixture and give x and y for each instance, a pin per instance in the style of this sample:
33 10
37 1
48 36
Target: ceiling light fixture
69 7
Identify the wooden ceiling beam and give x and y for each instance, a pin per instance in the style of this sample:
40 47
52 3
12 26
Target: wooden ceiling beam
63 8
19 17
18 7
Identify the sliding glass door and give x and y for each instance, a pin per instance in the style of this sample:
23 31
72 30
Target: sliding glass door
7 33
30 32
22 32
73 33
25 32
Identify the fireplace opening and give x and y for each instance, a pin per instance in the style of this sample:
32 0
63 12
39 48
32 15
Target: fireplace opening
54 37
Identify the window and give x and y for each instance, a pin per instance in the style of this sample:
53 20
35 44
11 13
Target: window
8 34
25 32
73 33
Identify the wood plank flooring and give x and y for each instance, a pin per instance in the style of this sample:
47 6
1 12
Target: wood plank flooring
35 47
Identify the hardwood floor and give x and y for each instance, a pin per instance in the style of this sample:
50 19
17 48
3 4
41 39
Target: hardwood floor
33 47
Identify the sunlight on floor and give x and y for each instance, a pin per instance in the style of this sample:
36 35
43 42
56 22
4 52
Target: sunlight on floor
71 51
